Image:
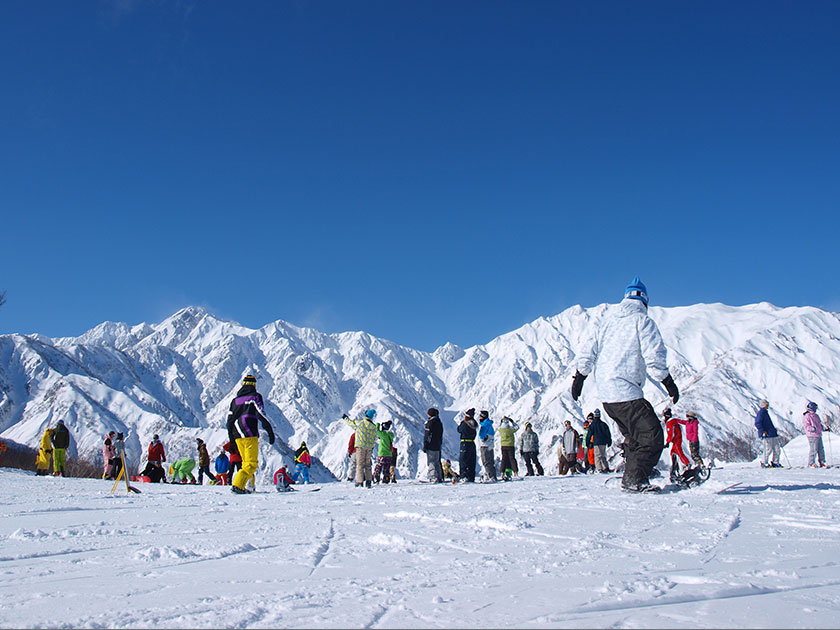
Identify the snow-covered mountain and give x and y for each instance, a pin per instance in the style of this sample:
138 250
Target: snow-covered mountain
177 378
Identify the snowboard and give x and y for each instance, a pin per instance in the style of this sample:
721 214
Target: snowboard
729 487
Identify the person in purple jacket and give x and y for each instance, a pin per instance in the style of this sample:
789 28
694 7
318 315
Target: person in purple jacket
813 429
767 432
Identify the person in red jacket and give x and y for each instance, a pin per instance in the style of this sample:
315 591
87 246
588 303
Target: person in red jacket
351 453
157 455
235 460
282 480
674 438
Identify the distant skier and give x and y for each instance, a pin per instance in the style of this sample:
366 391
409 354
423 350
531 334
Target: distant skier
365 441
181 470
767 432
600 438
61 441
570 440
813 430
467 429
385 453
156 454
584 442
108 455
486 440
203 463
282 480
432 441
42 462
624 347
302 463
692 435
235 460
246 409
507 438
448 473
529 446
351 455
673 438
119 455
222 466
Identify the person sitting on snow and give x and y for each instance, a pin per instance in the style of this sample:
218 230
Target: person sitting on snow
282 480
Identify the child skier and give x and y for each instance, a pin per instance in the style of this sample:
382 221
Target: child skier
385 453
674 438
692 434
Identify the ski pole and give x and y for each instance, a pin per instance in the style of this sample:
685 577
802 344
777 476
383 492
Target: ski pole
785 454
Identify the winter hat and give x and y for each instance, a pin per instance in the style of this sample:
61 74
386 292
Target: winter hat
249 380
61 422
690 414
155 437
812 406
470 412
370 414
483 414
667 412
596 413
199 440
636 290
386 425
432 412
527 425
119 436
590 415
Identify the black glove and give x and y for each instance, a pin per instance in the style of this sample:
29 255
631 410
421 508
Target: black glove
671 388
345 417
577 385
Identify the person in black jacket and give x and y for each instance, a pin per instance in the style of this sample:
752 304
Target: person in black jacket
466 461
246 409
432 441
599 438
60 440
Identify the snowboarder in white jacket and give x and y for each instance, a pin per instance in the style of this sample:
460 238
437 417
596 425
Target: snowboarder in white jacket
624 347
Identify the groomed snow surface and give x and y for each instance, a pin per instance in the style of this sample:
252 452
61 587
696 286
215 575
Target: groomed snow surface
541 552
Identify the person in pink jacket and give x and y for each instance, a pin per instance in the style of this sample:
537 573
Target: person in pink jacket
108 456
813 429
692 434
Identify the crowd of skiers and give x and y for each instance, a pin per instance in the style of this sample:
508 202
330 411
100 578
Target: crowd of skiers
622 349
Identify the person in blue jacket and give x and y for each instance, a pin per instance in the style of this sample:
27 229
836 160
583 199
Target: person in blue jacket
487 441
767 432
222 467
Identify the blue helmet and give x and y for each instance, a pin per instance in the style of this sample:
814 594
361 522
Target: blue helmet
636 290
812 406
370 413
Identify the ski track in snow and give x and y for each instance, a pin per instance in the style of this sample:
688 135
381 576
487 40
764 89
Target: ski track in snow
548 552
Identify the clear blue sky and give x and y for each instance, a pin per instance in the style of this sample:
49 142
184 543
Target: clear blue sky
424 171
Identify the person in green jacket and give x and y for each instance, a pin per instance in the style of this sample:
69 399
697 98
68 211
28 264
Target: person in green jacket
507 437
385 454
180 470
366 434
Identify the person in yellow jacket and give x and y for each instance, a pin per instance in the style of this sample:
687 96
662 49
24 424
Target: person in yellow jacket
366 434
245 410
42 463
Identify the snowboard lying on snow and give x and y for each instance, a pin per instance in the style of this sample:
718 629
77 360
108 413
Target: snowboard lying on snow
689 478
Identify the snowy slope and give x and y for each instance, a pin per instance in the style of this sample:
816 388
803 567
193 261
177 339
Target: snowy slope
176 378
544 552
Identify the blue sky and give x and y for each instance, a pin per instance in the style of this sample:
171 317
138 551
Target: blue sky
424 171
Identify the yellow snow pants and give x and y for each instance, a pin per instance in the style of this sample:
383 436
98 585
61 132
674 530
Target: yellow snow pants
249 451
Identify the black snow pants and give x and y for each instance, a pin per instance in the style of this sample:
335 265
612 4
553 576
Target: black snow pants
643 438
466 460
531 462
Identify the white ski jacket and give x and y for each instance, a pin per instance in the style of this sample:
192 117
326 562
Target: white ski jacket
621 349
